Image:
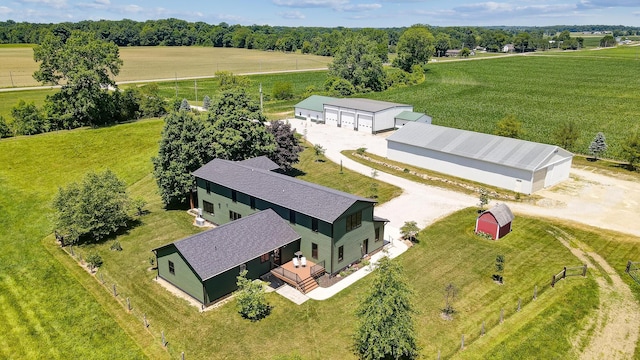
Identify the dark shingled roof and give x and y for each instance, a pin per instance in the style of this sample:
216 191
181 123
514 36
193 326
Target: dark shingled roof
306 198
502 213
215 251
260 162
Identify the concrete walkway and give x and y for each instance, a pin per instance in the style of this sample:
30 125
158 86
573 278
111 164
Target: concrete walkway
393 249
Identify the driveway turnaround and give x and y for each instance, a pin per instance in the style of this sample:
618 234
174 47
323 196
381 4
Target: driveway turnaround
588 198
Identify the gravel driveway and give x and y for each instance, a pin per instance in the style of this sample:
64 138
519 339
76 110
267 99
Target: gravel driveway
587 197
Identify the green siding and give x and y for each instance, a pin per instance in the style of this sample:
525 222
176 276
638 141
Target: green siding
328 237
185 279
225 283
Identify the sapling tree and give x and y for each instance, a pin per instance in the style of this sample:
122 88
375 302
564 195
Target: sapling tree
498 276
450 293
94 261
409 230
374 184
483 198
319 151
206 102
252 303
184 105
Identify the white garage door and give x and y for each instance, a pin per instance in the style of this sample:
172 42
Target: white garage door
365 122
348 120
331 117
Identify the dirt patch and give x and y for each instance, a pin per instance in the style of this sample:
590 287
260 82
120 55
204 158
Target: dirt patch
617 322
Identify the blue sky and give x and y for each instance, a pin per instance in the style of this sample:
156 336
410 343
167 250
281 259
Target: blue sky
331 13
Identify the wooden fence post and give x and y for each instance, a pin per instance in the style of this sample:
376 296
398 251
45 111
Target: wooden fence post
519 304
462 343
553 281
164 342
438 354
482 329
182 356
564 272
584 270
501 316
628 266
535 292
115 292
128 304
144 319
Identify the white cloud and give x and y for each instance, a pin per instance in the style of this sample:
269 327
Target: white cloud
56 4
5 10
132 9
292 15
332 4
361 7
608 3
103 2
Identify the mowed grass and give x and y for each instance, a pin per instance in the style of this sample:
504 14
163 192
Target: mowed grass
161 62
597 93
50 307
47 310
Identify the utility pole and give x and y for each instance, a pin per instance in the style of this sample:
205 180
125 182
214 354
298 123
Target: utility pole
260 96
176 86
196 87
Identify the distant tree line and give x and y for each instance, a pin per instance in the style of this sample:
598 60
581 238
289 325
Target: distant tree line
308 40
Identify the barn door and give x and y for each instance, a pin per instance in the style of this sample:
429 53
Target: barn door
538 179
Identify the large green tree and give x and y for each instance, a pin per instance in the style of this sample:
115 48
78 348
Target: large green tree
442 43
27 119
183 149
566 135
93 209
356 60
85 67
509 126
237 130
415 47
631 149
386 328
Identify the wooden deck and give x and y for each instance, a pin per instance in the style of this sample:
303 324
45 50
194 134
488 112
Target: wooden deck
298 277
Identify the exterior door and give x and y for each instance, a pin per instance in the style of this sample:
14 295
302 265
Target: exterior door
365 247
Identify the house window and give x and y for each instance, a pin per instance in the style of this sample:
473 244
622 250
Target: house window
234 215
234 196
264 258
252 202
378 234
292 216
208 187
172 268
208 207
354 221
314 225
314 251
340 253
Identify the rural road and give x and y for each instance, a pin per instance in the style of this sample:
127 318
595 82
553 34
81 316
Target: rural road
587 198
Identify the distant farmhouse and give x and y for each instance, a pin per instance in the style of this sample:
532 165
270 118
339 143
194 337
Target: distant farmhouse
365 115
268 222
512 164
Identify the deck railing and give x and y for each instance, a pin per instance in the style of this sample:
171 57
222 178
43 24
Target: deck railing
318 269
288 274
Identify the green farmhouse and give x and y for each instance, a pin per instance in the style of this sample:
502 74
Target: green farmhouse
206 265
328 230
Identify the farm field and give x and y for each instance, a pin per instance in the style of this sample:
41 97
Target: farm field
447 252
147 63
540 91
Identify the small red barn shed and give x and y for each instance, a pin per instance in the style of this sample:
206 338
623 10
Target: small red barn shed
495 221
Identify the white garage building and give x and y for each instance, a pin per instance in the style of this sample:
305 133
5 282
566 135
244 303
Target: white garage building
518 165
312 108
406 116
370 116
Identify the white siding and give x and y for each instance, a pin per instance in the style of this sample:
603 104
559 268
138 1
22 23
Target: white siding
557 172
309 114
465 168
386 119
